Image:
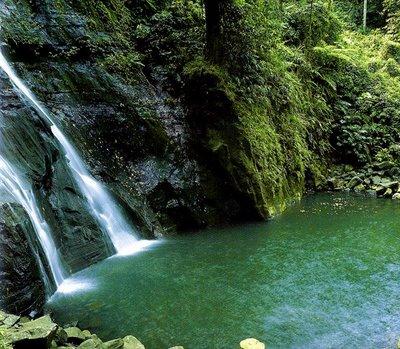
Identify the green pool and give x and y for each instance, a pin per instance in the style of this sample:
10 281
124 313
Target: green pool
326 274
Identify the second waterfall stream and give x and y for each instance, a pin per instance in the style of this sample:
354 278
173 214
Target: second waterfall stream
103 207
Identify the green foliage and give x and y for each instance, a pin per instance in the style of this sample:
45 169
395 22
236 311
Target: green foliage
392 8
309 25
171 38
21 27
264 120
364 94
124 64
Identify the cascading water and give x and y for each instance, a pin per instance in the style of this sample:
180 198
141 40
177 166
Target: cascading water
23 194
103 207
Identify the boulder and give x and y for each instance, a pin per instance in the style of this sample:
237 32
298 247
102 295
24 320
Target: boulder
75 335
388 193
356 180
87 334
10 320
114 344
396 196
359 187
37 334
251 343
92 343
131 342
61 336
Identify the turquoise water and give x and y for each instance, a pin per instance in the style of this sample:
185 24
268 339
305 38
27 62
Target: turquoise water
323 275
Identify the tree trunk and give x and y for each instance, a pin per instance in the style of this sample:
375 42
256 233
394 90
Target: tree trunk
365 15
215 10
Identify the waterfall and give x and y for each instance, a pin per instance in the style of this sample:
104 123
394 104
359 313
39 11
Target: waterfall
103 206
23 194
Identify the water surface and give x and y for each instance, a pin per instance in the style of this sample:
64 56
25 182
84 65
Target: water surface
323 275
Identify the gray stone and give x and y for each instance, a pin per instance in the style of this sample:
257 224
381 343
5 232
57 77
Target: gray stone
92 343
354 182
75 335
61 336
131 342
359 187
87 334
114 344
10 320
36 334
251 343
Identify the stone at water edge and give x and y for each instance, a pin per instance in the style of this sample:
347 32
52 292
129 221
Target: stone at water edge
36 334
87 334
131 342
114 344
92 343
396 196
251 343
178 347
75 335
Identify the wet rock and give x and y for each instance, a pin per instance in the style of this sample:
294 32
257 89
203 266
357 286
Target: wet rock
61 336
388 193
131 342
336 184
114 344
396 196
177 347
22 290
7 320
75 335
36 334
359 188
87 334
92 343
251 343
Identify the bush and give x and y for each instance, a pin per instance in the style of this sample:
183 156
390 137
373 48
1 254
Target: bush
311 24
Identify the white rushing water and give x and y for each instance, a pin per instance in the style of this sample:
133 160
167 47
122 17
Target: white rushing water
23 194
103 207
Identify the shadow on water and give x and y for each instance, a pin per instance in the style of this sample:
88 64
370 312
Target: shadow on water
323 275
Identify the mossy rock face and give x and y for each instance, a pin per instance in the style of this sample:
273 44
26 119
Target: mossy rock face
239 143
123 108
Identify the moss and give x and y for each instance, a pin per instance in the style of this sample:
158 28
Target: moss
265 156
21 28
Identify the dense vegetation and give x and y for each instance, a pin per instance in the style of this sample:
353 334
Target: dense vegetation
274 91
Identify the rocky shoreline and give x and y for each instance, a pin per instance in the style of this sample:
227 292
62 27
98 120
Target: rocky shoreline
42 333
377 179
